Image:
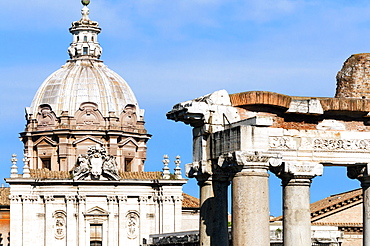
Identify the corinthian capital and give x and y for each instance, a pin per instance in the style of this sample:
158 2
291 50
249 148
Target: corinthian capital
297 169
200 170
358 171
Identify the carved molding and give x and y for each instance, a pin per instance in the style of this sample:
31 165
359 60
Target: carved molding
122 199
111 199
71 198
48 198
89 115
15 198
81 198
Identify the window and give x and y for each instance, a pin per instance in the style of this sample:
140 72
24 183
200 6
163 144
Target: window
78 38
85 38
85 51
96 231
128 164
92 38
46 163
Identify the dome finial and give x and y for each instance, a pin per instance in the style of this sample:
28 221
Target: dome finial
85 2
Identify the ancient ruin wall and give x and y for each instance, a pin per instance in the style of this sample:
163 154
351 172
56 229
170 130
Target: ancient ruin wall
353 81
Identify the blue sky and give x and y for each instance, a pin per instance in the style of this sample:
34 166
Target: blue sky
174 50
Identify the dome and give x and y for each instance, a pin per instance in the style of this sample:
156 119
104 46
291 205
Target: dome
84 80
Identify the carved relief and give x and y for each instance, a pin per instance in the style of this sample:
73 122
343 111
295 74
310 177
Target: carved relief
89 115
59 224
341 144
281 143
132 225
45 117
128 116
96 165
319 143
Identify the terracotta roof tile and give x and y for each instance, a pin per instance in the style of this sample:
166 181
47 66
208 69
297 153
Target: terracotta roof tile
47 174
140 175
331 203
190 201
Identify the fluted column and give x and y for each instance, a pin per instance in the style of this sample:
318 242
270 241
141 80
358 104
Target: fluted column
361 172
296 181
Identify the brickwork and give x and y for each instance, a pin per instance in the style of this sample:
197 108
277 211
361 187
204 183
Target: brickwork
354 79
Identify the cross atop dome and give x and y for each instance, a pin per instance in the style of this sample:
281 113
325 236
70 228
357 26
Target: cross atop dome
85 36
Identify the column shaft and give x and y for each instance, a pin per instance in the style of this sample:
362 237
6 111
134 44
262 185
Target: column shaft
296 212
206 211
250 208
366 214
220 235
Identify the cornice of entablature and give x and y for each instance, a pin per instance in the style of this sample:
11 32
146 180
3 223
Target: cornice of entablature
88 138
46 139
280 103
96 211
212 111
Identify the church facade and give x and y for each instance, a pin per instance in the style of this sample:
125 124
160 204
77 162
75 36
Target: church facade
83 180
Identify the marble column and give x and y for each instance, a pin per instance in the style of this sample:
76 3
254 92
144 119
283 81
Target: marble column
220 234
362 173
296 181
250 204
206 212
202 172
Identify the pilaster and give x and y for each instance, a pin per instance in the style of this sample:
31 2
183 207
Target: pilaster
143 200
122 200
72 238
16 222
112 234
49 234
81 220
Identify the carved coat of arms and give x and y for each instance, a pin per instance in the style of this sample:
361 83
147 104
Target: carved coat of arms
96 165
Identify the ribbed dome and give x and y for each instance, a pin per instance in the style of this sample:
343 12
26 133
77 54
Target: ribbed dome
84 80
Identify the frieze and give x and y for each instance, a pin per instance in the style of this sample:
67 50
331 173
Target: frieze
322 144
